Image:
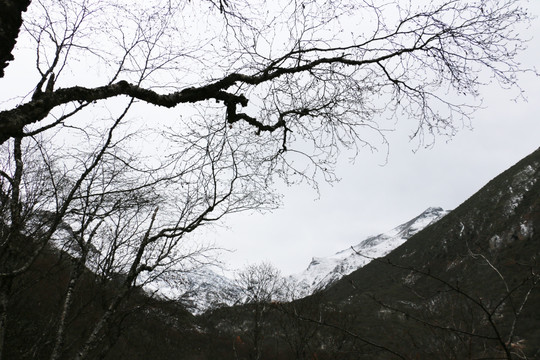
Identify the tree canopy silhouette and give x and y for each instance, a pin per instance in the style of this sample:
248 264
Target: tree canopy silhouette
129 126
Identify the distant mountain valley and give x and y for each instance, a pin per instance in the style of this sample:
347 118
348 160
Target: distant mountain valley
460 284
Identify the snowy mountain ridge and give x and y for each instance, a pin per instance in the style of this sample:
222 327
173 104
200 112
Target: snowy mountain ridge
324 271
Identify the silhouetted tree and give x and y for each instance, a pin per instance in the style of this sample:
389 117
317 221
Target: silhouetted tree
259 285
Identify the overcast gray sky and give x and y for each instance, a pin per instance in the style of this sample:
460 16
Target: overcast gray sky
372 198
377 193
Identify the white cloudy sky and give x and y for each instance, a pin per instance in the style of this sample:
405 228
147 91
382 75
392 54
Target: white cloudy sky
375 195
372 198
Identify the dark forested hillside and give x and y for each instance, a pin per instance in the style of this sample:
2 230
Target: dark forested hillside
463 288
144 328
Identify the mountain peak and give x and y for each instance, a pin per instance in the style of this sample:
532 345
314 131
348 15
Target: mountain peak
433 209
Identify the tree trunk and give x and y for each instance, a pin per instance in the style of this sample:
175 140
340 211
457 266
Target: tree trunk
5 291
10 23
102 324
68 300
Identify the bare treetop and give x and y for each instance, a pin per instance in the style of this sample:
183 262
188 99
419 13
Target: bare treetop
300 70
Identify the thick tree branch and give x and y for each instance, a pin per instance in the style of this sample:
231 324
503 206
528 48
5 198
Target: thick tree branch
13 121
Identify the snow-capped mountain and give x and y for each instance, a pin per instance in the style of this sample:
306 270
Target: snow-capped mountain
322 272
206 289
